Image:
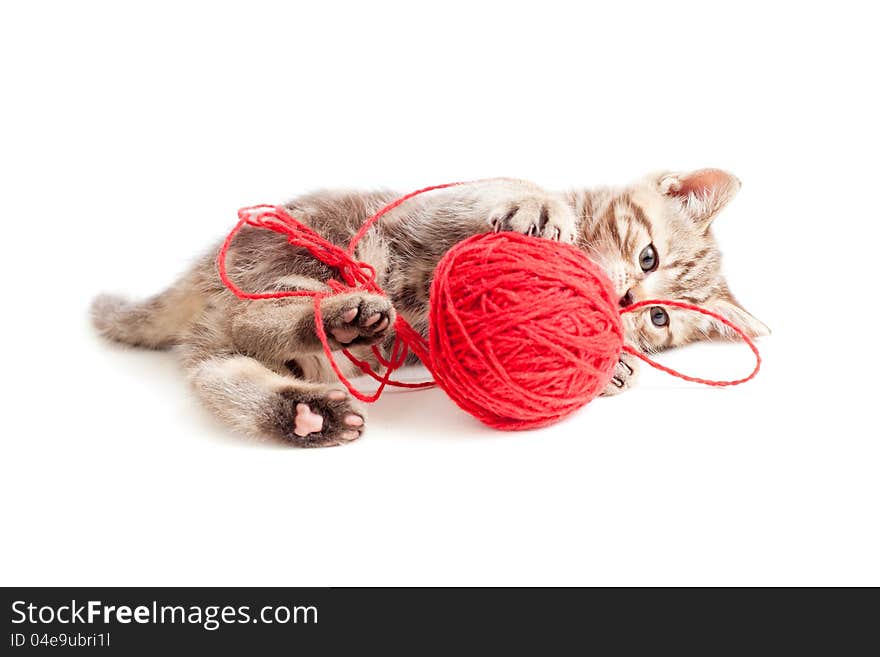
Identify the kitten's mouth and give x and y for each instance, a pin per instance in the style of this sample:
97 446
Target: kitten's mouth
627 299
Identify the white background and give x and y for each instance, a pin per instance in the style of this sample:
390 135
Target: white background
131 135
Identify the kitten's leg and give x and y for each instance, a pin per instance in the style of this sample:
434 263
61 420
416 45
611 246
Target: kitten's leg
274 329
440 221
262 403
533 216
525 208
625 375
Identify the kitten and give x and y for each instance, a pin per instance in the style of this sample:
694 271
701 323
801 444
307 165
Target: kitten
258 365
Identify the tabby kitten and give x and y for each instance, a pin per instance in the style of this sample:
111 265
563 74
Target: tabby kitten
258 365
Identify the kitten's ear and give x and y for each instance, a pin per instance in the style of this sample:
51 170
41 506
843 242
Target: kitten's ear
702 194
729 308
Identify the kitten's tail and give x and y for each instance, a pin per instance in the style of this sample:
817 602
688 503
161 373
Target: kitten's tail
155 323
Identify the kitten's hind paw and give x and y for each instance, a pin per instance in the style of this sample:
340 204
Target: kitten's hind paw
321 417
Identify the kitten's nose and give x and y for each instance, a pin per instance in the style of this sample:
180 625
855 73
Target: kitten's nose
627 299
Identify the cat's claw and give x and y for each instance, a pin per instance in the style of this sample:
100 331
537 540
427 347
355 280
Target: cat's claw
626 372
537 216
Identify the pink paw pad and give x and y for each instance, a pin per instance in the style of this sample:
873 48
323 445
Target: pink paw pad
307 421
354 420
344 334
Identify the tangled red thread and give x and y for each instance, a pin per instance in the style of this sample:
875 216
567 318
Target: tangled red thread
523 330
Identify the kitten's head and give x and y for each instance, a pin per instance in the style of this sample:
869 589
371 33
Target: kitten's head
654 241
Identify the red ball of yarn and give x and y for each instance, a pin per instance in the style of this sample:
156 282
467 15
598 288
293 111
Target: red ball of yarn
523 330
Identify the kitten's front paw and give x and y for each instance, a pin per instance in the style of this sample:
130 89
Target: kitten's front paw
357 318
542 216
318 418
625 375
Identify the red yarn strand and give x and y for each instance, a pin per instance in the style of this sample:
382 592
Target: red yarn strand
687 306
352 245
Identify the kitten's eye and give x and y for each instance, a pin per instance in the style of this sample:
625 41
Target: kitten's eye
648 259
659 317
